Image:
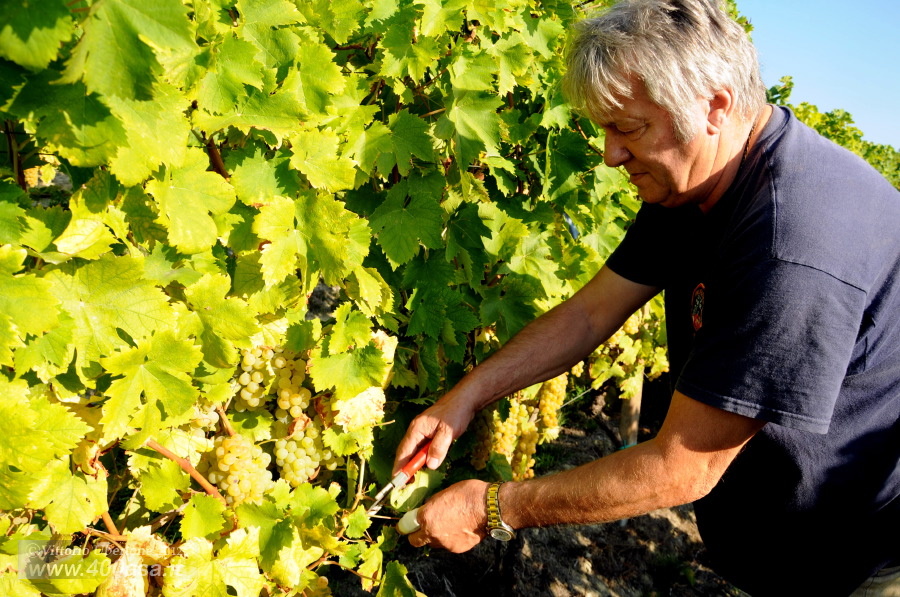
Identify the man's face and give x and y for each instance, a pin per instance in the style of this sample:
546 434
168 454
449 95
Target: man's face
641 138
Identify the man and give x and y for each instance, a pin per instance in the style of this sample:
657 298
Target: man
779 254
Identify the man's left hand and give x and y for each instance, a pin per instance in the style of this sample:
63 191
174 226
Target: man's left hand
454 519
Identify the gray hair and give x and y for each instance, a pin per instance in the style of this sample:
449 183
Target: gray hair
682 50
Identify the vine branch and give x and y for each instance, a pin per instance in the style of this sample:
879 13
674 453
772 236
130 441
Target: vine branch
226 424
215 158
187 467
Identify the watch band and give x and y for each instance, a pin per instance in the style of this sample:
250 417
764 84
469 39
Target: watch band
496 527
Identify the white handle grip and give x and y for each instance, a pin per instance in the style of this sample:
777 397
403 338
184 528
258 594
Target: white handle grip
408 524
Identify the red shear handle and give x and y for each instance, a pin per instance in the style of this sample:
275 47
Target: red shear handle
416 462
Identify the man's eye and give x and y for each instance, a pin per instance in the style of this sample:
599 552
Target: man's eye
633 133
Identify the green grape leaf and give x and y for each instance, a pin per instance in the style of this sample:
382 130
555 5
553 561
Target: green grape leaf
204 516
357 523
73 122
156 133
33 431
158 370
188 198
430 270
317 78
402 56
124 44
369 145
316 156
533 259
472 70
439 16
108 295
414 493
227 322
344 444
274 531
336 239
32 32
514 59
372 559
464 243
312 505
234 65
286 249
26 300
278 112
348 373
233 568
510 305
476 126
162 485
48 355
71 501
338 18
395 582
256 425
404 220
368 289
410 136
289 568
257 178
12 223
351 329
543 34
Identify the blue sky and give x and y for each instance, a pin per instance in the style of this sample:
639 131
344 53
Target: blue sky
841 55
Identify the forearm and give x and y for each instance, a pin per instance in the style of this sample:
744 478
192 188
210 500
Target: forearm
624 484
556 341
694 447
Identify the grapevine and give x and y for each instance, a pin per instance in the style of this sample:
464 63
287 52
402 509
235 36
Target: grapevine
160 357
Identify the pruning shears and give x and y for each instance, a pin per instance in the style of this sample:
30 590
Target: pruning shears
401 478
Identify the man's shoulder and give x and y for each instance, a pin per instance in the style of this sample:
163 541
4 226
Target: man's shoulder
829 209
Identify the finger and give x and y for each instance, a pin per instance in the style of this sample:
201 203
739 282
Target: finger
419 539
440 445
409 445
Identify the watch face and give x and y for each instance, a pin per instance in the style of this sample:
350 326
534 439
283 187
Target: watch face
501 534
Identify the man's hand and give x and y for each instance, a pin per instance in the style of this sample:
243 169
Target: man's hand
454 519
443 422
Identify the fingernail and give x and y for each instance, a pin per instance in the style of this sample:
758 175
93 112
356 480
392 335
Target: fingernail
433 463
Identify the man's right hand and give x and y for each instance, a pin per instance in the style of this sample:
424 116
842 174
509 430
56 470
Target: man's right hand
442 422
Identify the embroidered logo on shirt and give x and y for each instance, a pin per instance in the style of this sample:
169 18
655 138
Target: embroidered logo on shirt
697 299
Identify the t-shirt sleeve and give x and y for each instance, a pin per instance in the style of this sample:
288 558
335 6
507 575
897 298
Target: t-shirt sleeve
645 253
775 344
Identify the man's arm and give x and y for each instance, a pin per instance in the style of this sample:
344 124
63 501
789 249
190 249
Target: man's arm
546 347
681 464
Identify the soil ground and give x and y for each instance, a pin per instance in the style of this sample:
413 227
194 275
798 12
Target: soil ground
659 554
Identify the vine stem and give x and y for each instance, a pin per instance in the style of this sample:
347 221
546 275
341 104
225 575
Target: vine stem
216 158
15 158
187 467
359 486
589 144
110 525
226 424
108 536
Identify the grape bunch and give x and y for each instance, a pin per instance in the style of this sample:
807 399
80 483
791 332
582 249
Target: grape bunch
254 379
299 456
484 435
522 460
633 324
239 468
550 399
204 418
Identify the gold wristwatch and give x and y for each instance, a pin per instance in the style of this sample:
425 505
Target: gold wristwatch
497 529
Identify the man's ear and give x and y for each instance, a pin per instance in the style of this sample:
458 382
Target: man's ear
721 110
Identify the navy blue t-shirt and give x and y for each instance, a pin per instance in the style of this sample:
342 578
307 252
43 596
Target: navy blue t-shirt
783 304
